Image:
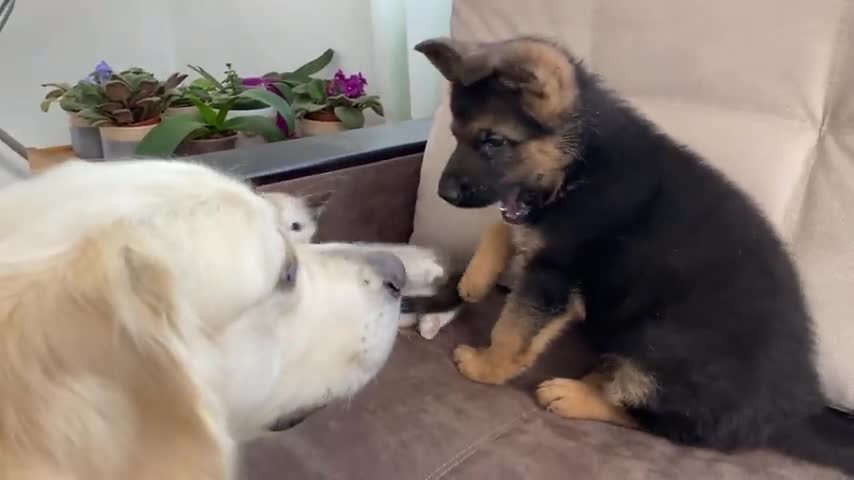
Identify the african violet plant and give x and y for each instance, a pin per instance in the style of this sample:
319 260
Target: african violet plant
343 98
130 97
73 98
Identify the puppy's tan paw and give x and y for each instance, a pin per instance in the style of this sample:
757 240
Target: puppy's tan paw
481 366
473 287
559 394
579 400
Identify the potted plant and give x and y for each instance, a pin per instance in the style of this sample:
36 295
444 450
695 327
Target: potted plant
330 106
85 139
249 101
281 83
132 104
180 103
212 131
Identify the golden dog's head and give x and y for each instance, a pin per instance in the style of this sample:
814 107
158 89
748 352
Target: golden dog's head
137 298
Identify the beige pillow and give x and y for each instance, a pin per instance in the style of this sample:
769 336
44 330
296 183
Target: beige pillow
763 89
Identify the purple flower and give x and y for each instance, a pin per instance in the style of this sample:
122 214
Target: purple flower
102 74
352 86
257 81
267 83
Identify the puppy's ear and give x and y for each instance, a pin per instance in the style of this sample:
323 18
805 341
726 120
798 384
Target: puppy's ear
519 78
317 203
457 61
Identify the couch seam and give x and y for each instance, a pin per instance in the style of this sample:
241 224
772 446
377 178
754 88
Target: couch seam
792 231
473 447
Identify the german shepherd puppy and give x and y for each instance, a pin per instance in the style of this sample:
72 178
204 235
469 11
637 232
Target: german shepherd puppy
669 271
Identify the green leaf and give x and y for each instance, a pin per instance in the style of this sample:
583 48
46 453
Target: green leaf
210 79
378 109
294 78
264 126
208 114
316 65
94 118
350 117
163 139
273 100
286 91
317 89
60 86
307 107
223 112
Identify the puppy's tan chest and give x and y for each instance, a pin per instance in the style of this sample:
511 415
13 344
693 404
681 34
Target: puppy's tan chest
526 243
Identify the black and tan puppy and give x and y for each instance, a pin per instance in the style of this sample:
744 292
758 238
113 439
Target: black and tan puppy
667 269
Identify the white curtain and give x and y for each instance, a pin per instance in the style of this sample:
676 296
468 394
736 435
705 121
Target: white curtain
409 85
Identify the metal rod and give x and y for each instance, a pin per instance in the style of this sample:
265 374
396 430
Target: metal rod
5 12
13 144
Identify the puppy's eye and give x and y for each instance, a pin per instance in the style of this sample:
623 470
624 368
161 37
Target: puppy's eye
494 141
296 227
490 143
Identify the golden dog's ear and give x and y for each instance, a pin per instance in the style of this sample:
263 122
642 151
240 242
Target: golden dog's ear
457 61
151 294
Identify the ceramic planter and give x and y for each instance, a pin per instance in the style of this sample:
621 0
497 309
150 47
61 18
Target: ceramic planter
121 142
206 145
85 139
174 111
261 112
247 139
319 123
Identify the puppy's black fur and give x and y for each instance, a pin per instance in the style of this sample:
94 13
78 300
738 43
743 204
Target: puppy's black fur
679 271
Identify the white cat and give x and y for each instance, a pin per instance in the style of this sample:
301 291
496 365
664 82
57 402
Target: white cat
429 303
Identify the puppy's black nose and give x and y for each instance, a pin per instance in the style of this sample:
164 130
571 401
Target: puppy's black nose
454 189
391 271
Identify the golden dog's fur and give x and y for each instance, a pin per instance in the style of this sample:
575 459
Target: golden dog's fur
137 298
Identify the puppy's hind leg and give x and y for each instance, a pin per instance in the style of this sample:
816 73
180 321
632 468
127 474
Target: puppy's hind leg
602 395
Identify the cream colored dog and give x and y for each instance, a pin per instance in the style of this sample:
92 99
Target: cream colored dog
153 314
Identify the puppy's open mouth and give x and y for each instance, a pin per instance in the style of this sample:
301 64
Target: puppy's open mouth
516 205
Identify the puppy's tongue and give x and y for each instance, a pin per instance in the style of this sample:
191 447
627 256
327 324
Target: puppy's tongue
512 208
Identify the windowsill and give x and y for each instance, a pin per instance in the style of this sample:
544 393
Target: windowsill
276 162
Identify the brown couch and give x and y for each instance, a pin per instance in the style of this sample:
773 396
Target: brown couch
757 86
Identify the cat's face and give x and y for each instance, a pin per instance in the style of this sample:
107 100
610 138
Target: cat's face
299 215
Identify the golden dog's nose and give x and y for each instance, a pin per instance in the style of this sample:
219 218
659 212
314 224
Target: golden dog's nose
390 269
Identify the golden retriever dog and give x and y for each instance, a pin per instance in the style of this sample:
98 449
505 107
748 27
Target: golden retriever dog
154 314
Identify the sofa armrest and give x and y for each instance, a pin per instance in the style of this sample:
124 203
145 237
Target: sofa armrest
373 172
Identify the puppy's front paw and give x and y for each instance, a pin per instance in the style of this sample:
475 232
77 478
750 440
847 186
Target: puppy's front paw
473 287
481 366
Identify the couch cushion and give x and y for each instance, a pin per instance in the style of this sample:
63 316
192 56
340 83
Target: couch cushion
421 420
764 89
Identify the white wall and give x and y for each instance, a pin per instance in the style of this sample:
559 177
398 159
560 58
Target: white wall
62 40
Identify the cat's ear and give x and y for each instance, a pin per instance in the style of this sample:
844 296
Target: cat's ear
317 203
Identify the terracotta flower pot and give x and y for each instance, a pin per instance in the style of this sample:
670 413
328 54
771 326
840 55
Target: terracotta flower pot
85 139
120 142
319 123
206 145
